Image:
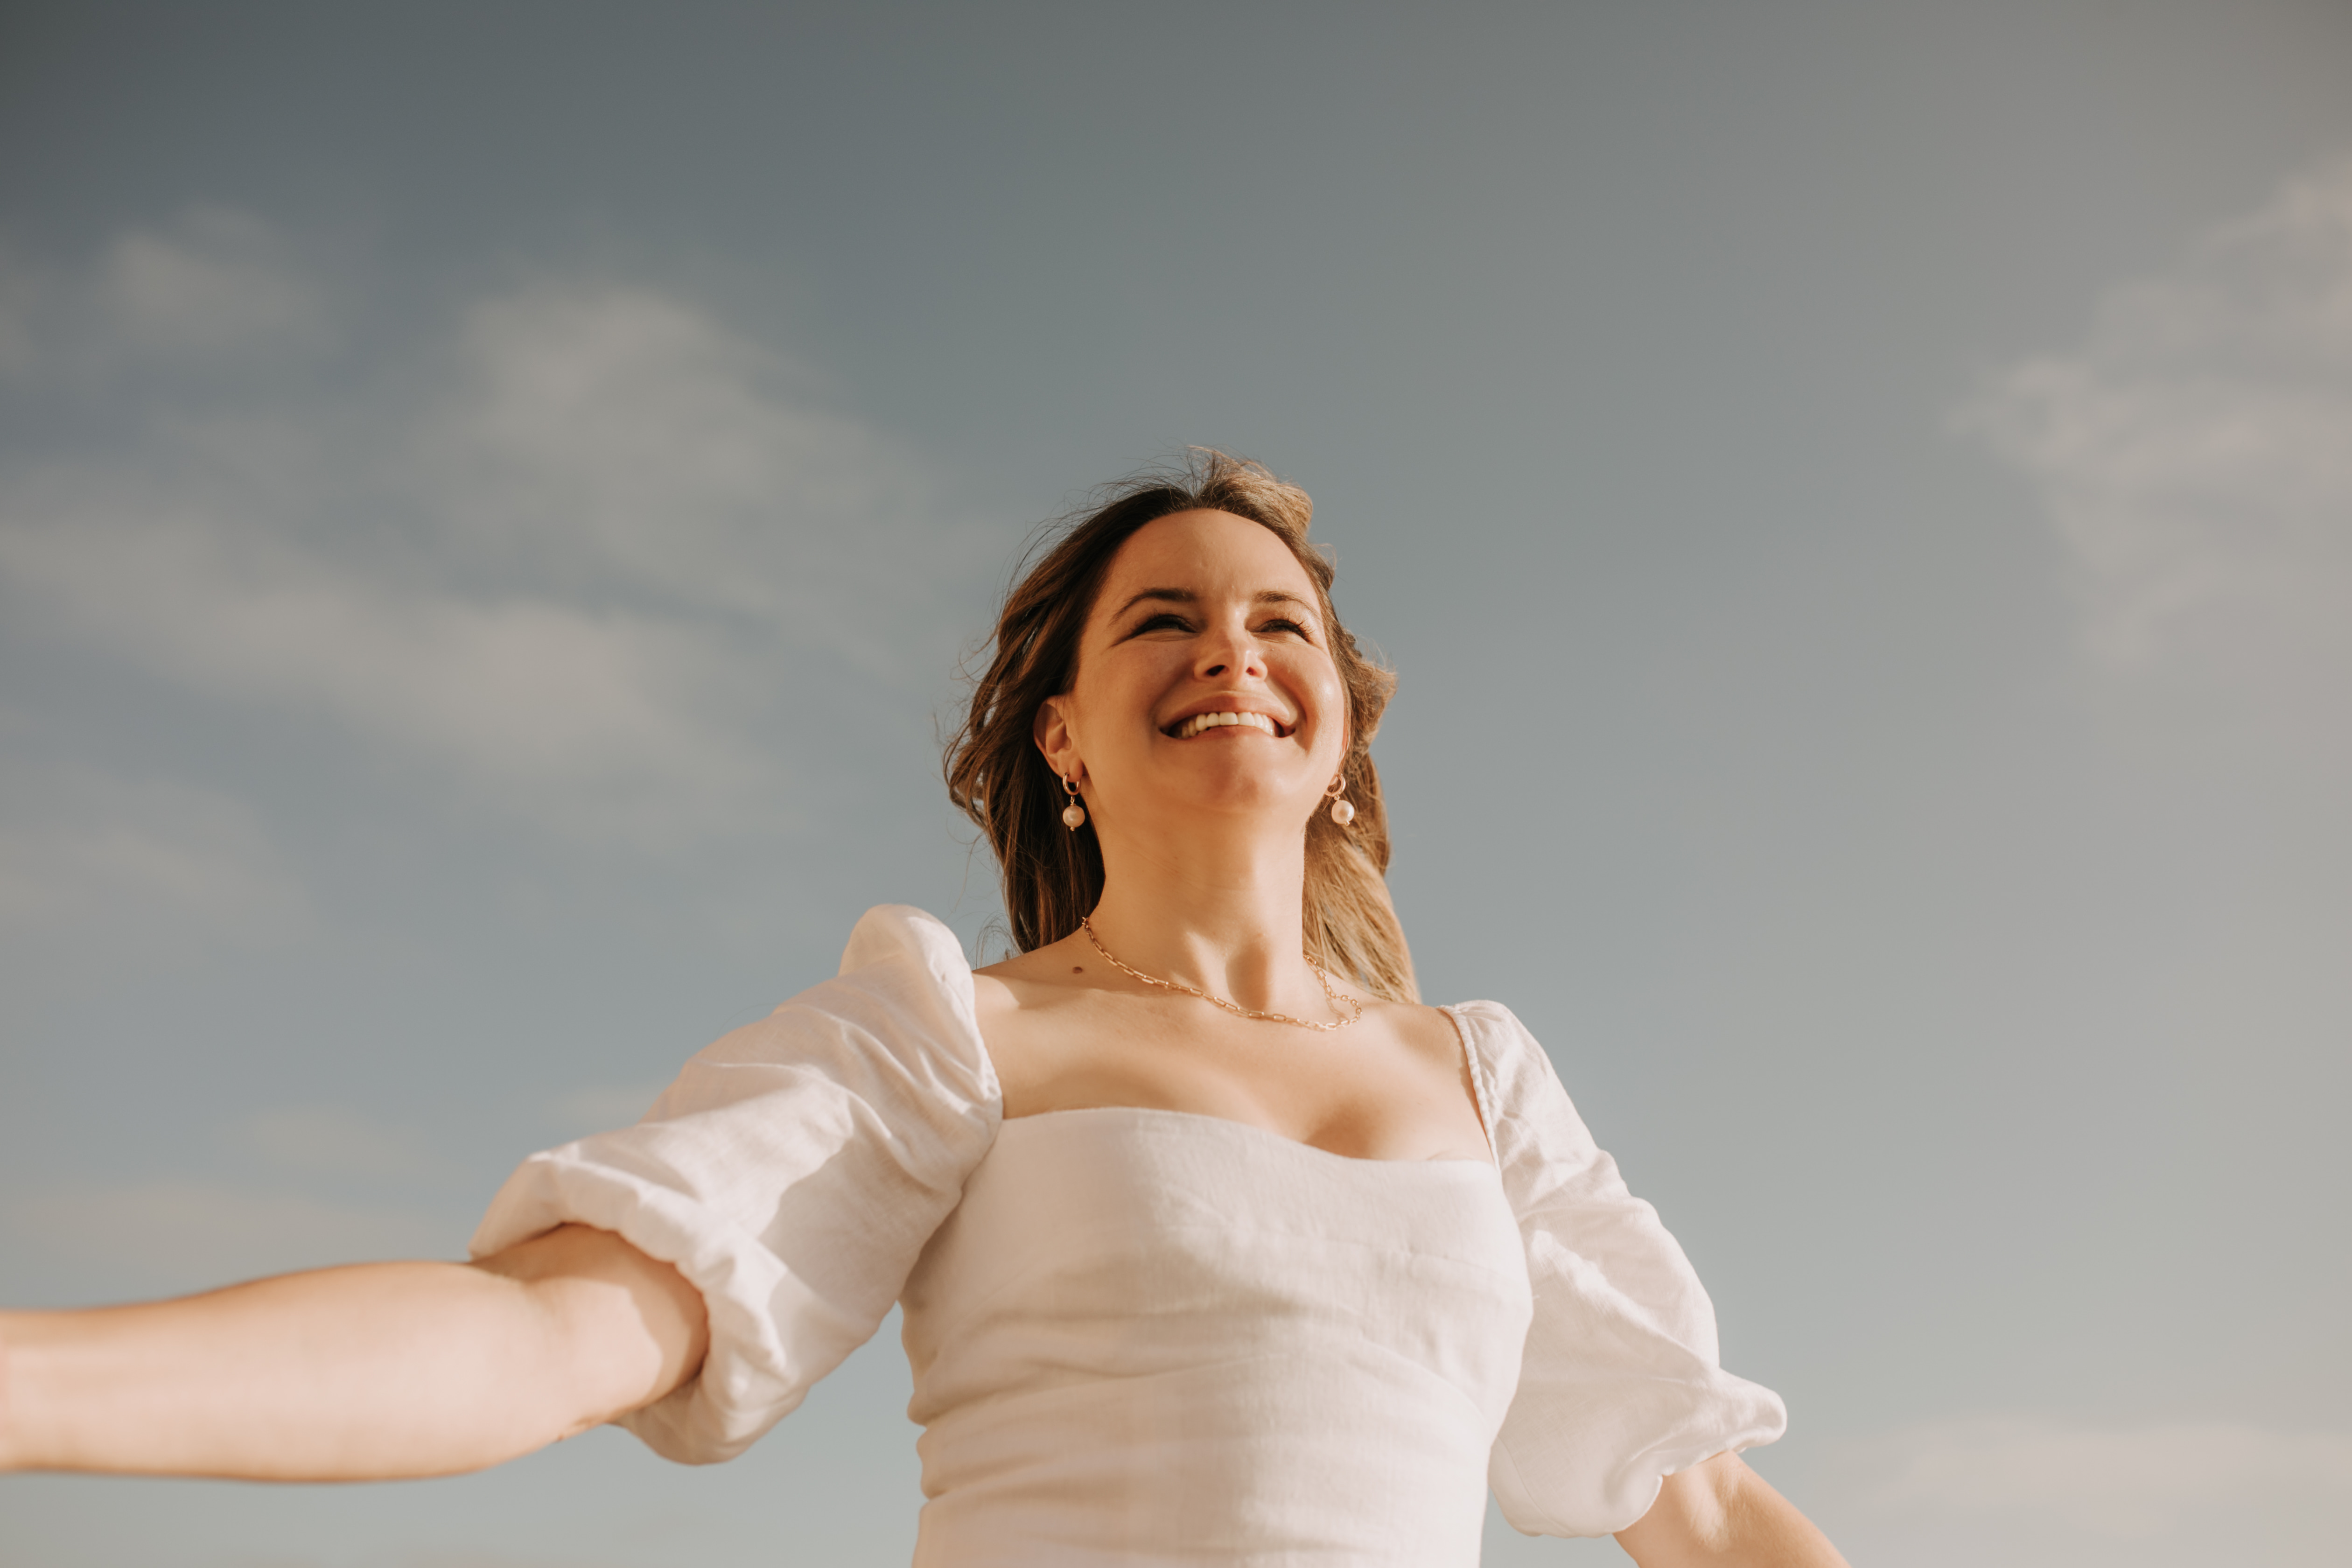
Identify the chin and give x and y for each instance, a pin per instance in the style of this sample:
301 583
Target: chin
1246 796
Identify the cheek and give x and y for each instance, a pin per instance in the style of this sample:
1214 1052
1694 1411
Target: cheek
1115 688
1320 685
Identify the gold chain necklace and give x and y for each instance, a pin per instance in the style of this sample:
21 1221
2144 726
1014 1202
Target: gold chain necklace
1234 1007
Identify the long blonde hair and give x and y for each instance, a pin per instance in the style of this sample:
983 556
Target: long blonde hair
996 775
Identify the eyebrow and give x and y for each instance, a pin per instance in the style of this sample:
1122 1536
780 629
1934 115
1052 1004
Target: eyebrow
1186 597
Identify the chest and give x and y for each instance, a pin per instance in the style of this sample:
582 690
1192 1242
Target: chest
1393 1086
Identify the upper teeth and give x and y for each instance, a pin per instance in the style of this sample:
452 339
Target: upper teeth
1200 721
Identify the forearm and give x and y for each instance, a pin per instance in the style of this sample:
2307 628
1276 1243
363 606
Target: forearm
371 1372
1721 1514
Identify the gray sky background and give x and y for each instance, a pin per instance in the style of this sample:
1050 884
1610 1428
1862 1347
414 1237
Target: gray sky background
1860 495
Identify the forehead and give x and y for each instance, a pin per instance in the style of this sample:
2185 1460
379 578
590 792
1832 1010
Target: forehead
1209 553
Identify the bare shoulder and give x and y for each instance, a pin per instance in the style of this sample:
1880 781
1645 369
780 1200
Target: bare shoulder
997 992
993 995
1020 1000
1426 1032
1024 979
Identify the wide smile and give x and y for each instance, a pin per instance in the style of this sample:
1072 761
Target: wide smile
1202 723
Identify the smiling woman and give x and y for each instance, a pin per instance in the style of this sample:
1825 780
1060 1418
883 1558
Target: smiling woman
998 771
1213 1243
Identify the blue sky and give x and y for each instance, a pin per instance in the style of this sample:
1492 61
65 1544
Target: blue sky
491 501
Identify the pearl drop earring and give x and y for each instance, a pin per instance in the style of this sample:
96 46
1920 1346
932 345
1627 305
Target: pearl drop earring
1074 816
1342 811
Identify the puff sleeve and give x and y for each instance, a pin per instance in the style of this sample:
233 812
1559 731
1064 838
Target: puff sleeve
793 1173
1620 1385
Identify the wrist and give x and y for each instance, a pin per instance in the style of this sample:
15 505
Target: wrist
39 1355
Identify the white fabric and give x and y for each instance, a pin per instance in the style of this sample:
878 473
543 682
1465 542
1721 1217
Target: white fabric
792 1173
1153 1337
1150 1336
1621 1386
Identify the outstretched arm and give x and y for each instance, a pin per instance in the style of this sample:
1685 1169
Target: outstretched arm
367 1373
1721 1514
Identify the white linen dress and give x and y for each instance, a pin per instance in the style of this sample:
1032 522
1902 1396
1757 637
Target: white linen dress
1149 1336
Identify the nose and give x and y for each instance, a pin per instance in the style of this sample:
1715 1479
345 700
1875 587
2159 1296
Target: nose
1229 651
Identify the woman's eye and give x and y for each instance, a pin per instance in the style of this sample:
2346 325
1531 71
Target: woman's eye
1163 622
1284 626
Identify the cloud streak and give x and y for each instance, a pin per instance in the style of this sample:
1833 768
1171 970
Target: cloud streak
202 1231
330 1141
2118 1483
143 857
223 281
2195 453
562 557
592 1108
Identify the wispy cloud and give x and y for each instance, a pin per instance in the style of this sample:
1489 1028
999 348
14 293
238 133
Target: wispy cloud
2195 453
2117 1482
331 1141
200 1231
215 291
623 433
220 280
588 720
592 1108
576 555
317 1185
146 858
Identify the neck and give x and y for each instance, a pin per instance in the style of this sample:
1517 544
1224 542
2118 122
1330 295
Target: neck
1217 911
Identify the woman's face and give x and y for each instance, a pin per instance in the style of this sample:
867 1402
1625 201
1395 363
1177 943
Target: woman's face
1204 617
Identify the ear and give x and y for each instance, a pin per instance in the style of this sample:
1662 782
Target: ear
1052 729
